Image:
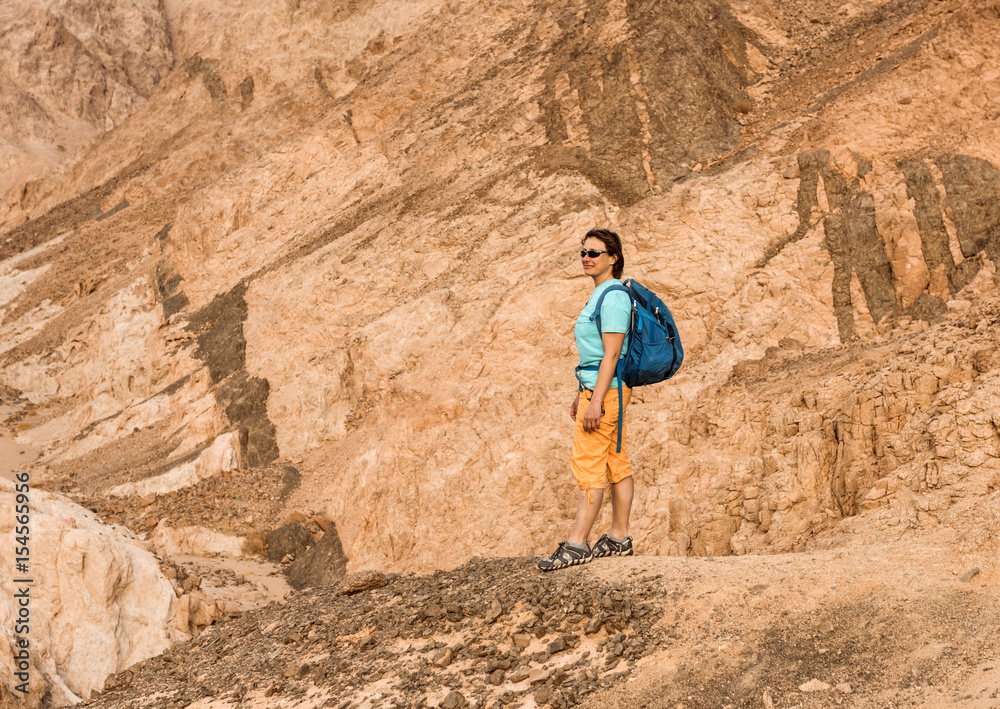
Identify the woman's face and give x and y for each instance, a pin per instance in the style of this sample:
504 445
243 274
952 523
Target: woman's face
600 265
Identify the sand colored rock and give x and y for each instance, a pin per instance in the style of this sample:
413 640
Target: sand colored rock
195 612
194 540
364 580
814 685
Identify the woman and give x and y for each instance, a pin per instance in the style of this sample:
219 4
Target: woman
596 461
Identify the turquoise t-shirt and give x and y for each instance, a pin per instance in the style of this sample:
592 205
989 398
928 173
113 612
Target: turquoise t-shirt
616 314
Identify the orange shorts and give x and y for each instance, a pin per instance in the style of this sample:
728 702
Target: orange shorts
596 462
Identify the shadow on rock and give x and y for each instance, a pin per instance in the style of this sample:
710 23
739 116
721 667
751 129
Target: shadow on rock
323 564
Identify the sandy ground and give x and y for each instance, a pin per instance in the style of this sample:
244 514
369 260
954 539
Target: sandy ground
264 581
905 625
13 456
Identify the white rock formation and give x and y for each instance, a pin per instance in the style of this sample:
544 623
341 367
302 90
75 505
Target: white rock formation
98 601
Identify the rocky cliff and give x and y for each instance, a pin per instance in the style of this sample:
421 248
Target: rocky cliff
72 72
320 258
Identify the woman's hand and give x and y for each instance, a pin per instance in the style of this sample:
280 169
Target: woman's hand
574 406
592 417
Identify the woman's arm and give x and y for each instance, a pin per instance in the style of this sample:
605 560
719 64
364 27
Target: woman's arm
613 342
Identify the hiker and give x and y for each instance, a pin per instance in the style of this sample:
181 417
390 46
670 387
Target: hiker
597 460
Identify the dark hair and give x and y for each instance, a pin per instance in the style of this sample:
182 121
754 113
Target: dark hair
613 244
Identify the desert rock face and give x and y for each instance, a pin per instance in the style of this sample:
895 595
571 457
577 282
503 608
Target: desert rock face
323 259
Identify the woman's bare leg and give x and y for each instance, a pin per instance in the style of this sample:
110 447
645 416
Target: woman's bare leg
621 506
585 517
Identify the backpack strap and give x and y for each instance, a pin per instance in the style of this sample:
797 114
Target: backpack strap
593 367
596 317
621 412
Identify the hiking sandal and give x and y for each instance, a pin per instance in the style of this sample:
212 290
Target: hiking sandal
565 556
606 546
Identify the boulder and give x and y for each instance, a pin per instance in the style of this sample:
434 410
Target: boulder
98 600
288 540
323 564
364 580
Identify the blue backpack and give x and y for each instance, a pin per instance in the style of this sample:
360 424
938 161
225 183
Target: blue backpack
654 352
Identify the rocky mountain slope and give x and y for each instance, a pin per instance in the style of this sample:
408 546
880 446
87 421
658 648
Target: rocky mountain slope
72 72
318 260
752 631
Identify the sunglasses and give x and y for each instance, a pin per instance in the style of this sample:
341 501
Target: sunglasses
591 253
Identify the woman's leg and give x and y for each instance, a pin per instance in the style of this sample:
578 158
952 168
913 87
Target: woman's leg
621 506
586 514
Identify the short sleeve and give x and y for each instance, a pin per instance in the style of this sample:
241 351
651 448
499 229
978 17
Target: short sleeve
616 312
